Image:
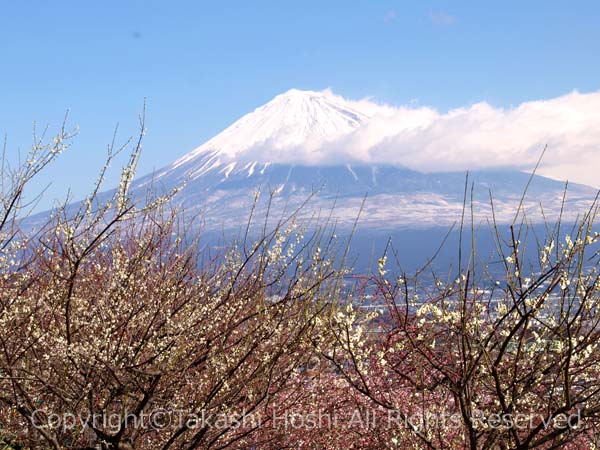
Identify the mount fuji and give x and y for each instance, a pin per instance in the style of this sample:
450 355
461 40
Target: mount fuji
292 147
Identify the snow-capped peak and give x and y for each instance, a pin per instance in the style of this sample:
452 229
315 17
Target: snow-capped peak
292 119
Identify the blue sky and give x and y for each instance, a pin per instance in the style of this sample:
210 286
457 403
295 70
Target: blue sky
201 65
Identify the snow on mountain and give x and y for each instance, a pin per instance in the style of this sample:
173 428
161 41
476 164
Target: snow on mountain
291 120
272 149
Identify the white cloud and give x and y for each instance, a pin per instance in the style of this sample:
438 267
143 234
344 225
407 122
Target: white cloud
441 18
480 136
